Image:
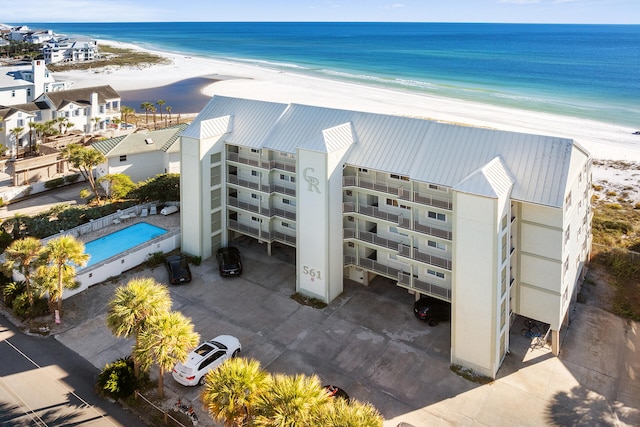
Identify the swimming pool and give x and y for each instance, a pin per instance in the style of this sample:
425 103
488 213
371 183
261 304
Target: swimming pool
112 244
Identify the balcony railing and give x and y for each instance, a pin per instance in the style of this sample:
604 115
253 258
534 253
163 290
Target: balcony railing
262 164
370 211
233 201
264 235
265 188
372 265
424 229
424 287
369 237
400 191
415 254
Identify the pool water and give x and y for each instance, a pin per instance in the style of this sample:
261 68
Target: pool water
112 244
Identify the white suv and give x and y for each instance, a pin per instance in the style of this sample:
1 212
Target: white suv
206 357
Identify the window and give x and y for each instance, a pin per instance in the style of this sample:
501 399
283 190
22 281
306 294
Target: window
567 201
392 202
256 219
289 202
504 222
287 178
285 224
436 274
255 150
349 193
254 173
433 187
437 245
28 91
215 158
567 234
123 158
436 215
400 177
254 196
13 93
504 247
363 170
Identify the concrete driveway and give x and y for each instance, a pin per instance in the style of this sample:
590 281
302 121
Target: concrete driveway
369 343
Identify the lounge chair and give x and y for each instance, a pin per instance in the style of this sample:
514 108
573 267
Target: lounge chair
153 211
116 220
144 212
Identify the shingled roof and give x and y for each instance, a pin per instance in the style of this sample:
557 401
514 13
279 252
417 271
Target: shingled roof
81 96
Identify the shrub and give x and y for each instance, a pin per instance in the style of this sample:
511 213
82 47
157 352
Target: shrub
195 260
54 183
611 193
70 179
117 379
597 187
155 259
12 290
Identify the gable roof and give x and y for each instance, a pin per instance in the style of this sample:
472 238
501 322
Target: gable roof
426 151
165 140
82 96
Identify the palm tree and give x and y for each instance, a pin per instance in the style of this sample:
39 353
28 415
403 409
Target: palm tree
160 103
169 108
165 340
146 106
62 255
350 414
124 110
97 122
84 159
132 305
16 132
33 134
231 391
22 255
291 401
63 122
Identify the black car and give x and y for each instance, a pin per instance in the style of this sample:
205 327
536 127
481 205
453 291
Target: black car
229 261
178 268
432 310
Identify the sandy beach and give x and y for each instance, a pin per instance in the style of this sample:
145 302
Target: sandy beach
605 141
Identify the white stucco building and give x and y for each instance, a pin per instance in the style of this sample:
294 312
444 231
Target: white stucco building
20 84
497 223
141 155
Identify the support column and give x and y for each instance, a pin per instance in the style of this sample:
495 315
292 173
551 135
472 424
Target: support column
555 342
269 248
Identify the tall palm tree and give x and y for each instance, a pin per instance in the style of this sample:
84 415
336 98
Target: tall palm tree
125 111
350 414
292 401
96 120
132 305
231 391
160 103
22 255
169 108
33 134
146 106
84 159
165 340
16 132
63 254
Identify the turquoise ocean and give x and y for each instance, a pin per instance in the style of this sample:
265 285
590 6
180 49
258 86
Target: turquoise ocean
587 71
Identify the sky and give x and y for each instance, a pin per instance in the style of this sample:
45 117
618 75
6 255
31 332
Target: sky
514 11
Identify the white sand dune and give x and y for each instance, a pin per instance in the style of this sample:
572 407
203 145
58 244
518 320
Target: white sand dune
605 141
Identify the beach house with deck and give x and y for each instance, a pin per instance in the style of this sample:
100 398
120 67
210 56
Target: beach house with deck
496 223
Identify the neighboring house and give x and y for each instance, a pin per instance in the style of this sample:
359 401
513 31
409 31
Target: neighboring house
40 36
498 223
142 155
90 109
70 50
24 83
19 33
11 118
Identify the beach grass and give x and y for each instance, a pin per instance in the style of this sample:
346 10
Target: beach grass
111 56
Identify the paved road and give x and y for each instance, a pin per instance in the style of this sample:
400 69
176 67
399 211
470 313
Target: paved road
43 383
42 202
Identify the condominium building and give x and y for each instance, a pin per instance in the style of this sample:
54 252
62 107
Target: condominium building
495 222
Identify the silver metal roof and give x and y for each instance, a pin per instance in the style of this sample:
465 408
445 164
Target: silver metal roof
427 151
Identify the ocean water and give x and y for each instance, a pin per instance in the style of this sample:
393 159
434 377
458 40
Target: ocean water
588 71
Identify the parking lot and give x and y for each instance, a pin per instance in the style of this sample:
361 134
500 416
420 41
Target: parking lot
369 343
